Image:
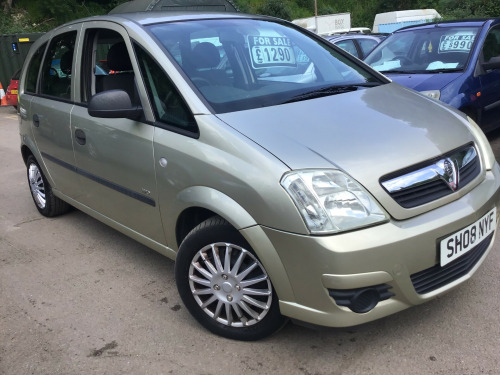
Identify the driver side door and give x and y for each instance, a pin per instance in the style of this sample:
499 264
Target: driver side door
114 156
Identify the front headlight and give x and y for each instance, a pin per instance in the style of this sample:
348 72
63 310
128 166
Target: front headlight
330 201
434 94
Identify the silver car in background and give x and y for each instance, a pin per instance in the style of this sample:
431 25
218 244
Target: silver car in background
286 178
359 45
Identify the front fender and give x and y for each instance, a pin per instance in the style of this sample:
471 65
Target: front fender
461 92
227 208
458 101
217 202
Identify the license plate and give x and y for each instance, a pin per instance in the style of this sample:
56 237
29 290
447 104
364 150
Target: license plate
459 243
13 92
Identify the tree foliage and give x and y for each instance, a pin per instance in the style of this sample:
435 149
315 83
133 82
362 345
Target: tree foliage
276 8
363 11
43 15
35 16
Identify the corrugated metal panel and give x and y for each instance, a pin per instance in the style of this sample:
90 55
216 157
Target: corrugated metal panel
13 51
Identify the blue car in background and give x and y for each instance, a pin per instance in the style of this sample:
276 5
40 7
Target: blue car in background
457 62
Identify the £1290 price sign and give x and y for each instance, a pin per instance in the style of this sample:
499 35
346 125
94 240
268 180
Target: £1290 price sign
268 51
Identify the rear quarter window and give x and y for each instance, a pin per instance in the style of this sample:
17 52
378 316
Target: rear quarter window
33 69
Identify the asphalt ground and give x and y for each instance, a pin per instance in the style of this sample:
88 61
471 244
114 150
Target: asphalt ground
77 297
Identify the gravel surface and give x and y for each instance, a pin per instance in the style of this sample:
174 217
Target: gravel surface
77 297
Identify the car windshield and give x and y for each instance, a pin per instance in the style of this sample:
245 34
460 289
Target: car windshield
239 64
436 49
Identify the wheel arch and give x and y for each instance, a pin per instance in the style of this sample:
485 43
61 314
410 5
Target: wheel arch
189 219
26 152
200 202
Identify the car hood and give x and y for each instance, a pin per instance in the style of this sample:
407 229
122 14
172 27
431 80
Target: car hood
423 82
367 133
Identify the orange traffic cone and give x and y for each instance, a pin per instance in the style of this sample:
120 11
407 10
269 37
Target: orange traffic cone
3 98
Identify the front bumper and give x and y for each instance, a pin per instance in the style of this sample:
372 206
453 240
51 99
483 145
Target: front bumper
384 254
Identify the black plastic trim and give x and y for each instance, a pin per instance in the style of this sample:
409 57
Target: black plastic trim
102 181
361 300
435 277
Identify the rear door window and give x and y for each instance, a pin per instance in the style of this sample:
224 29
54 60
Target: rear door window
349 46
367 45
58 66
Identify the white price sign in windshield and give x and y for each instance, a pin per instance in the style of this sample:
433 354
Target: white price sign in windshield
456 43
270 51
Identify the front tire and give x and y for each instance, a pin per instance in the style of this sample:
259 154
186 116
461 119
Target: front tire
41 191
223 284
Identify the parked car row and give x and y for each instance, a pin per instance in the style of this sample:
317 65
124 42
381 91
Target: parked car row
457 62
285 177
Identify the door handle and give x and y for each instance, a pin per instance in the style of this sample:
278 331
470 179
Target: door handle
80 137
36 121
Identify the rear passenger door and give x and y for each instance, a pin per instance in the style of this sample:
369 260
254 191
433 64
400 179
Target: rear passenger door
114 157
50 110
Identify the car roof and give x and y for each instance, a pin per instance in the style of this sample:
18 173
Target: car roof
353 36
148 18
451 23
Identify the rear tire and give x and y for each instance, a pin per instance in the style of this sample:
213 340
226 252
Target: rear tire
223 284
41 191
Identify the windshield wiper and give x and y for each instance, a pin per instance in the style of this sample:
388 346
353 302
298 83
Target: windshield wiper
444 70
402 71
330 90
452 70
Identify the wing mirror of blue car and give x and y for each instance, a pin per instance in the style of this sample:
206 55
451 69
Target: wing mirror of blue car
113 104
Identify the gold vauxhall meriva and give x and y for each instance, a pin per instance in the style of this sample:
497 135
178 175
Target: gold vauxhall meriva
285 177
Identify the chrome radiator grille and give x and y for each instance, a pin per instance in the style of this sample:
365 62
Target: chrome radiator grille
435 179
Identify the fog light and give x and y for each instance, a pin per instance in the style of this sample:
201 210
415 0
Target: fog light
361 300
364 300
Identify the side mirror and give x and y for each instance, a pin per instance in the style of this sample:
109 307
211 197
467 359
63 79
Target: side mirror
113 104
493 63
